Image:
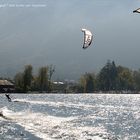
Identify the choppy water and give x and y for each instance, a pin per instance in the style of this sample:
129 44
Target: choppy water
70 117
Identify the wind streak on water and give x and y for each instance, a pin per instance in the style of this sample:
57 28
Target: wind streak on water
75 117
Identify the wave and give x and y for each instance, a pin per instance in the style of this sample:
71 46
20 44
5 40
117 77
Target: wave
75 105
73 118
50 127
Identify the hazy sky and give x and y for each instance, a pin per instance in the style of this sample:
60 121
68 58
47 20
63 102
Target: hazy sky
50 33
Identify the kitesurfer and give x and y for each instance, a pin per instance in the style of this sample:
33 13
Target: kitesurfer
8 97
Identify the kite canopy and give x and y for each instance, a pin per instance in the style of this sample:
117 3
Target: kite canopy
137 10
87 38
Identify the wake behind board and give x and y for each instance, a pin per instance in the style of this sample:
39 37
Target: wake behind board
3 116
18 101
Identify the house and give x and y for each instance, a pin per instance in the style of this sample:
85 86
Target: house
6 86
58 87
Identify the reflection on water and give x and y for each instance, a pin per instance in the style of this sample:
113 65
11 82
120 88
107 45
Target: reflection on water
73 117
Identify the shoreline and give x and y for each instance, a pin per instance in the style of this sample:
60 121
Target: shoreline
74 93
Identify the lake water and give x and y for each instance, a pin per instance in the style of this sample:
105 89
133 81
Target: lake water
70 117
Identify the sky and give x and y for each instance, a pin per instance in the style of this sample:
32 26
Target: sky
45 32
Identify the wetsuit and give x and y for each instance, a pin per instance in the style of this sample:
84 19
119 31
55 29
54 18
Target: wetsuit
8 97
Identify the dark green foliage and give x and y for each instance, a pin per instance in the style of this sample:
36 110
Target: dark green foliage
51 70
19 82
109 78
42 79
136 77
106 79
27 78
23 80
124 78
87 82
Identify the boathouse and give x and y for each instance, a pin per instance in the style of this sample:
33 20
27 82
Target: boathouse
6 86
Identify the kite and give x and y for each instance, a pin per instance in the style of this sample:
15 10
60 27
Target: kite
87 38
137 10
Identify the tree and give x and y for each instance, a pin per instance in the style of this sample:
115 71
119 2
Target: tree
42 79
51 69
27 77
106 79
19 82
136 77
82 83
124 79
87 82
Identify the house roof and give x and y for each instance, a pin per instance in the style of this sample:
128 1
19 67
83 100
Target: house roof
5 82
